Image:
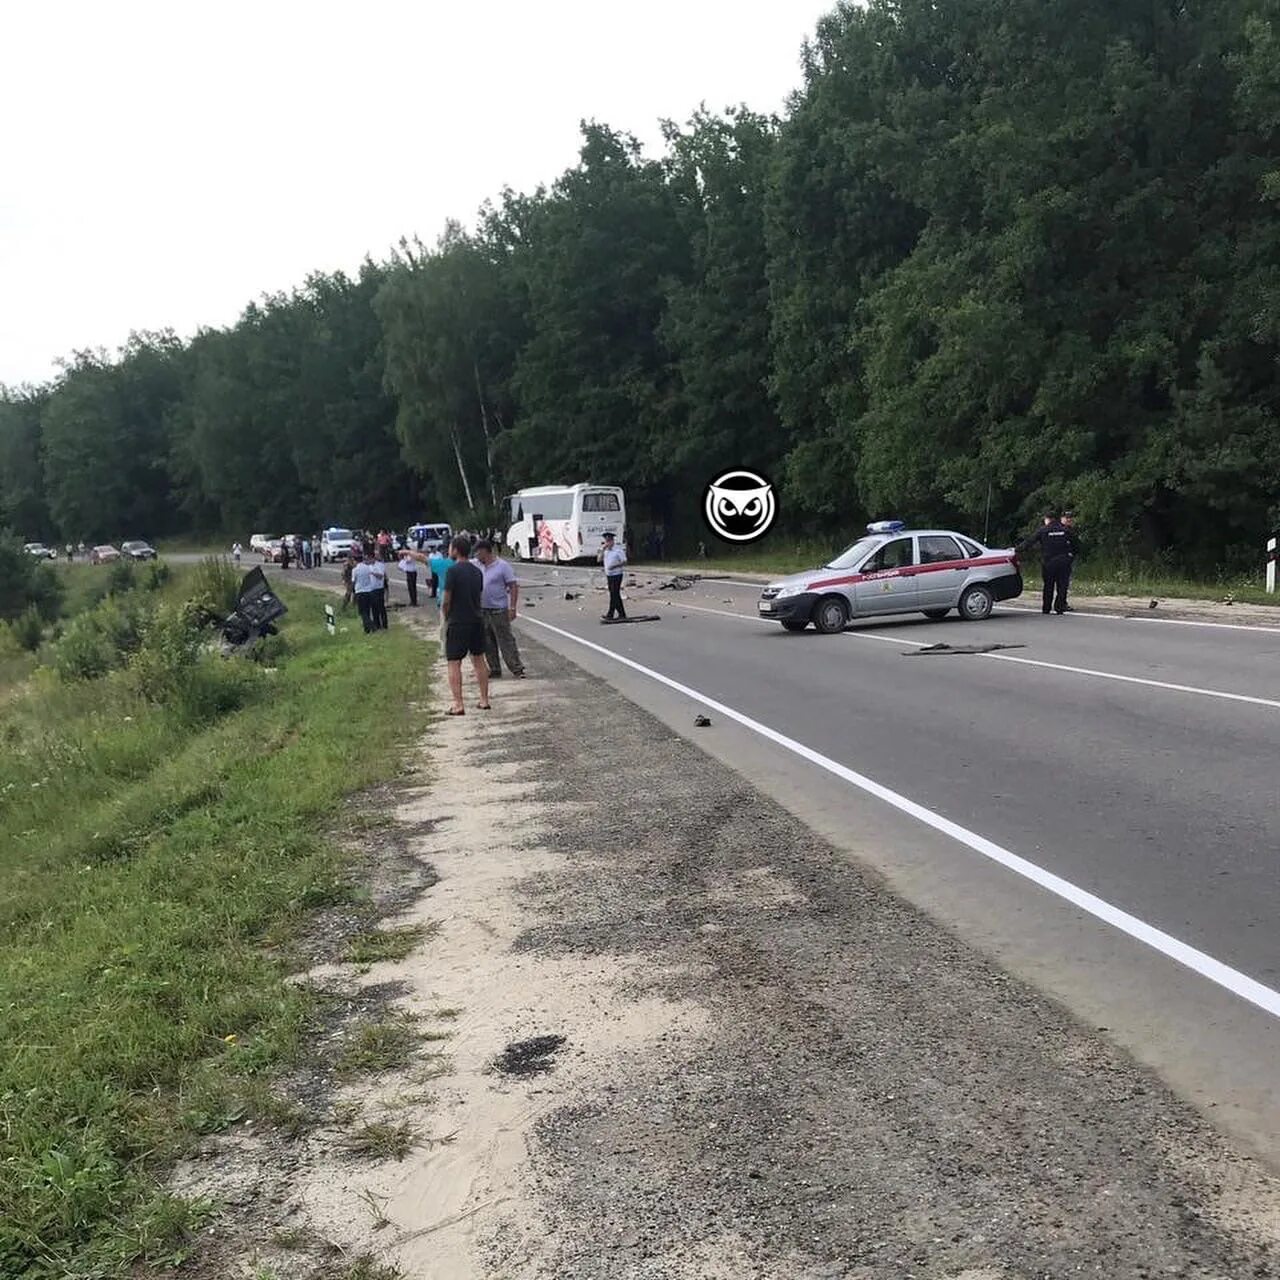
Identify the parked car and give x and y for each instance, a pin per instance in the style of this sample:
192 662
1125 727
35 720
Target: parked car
336 544
104 554
435 537
40 551
263 543
896 570
138 550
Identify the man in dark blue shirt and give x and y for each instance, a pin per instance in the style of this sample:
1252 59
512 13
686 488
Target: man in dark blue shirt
1057 546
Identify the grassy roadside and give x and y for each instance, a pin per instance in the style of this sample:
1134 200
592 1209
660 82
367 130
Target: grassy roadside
149 853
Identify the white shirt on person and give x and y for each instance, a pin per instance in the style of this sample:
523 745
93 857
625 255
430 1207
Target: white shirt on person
614 560
363 578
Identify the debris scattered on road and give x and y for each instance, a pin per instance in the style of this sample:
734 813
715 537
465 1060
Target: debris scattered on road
528 1057
1154 604
702 721
635 617
681 582
571 595
960 648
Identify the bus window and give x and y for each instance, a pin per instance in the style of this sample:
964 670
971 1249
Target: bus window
600 502
553 506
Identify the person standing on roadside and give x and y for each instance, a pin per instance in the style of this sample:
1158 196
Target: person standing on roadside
286 552
464 625
348 567
439 562
1069 523
364 585
235 553
498 603
614 559
1057 546
380 598
409 567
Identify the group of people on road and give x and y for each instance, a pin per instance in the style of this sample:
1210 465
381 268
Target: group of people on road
479 598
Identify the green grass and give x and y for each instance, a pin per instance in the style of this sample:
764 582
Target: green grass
144 860
382 1140
1143 581
383 1045
385 944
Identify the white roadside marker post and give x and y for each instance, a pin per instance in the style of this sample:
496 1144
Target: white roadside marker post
1271 566
330 621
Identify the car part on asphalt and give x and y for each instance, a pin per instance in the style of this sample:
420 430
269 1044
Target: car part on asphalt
960 648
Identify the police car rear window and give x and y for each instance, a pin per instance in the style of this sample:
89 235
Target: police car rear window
936 549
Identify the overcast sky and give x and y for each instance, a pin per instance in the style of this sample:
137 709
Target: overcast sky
164 163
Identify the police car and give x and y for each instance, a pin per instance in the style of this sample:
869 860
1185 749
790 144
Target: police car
896 570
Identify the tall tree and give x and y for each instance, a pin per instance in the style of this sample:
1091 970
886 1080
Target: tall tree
105 436
453 321
716 324
22 498
595 383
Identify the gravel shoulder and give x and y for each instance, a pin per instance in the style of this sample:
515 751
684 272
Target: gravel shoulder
687 1039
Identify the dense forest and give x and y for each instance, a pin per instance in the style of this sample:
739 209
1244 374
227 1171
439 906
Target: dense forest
997 253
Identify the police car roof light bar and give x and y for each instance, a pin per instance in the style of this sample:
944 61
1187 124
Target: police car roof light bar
886 526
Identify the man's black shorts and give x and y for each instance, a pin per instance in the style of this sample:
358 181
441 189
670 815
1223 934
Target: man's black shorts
465 638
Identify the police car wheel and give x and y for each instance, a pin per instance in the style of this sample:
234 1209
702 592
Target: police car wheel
976 604
831 615
794 624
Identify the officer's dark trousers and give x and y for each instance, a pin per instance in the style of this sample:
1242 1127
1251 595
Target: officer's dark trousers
364 602
378 603
411 581
615 596
1057 577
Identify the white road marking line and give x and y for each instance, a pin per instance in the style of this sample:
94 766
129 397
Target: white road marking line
1164 622
1036 662
1222 975
1088 671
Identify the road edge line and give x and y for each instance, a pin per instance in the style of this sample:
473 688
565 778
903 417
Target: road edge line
1223 975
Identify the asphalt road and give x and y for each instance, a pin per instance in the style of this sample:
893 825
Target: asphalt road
1072 752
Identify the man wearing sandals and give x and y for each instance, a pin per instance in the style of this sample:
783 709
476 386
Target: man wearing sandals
464 624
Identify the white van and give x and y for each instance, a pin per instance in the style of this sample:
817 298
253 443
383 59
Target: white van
562 523
335 544
435 537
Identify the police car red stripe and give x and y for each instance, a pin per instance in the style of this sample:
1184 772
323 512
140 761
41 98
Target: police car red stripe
910 571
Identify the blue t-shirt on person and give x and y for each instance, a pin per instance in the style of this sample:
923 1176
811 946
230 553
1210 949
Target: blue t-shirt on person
440 565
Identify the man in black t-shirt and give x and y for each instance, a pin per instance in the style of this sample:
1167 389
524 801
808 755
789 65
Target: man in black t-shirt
464 624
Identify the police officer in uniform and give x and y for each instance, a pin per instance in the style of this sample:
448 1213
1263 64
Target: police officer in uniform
1057 545
1069 523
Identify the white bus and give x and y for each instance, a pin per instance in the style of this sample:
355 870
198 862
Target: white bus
561 523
